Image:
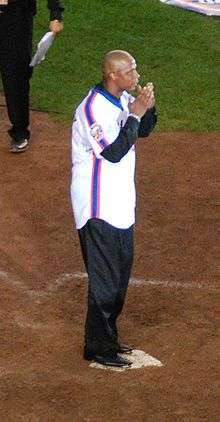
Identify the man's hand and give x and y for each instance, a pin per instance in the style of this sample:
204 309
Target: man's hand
56 26
144 100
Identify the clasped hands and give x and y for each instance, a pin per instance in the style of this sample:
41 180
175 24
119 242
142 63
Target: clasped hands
144 101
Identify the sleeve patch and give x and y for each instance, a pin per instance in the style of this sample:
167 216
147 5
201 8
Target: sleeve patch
97 132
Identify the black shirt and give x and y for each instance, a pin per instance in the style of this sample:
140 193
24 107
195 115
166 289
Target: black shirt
54 6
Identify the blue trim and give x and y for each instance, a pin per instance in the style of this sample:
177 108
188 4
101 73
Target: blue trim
88 108
95 188
109 97
89 116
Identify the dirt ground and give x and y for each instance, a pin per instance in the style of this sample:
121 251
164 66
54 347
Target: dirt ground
172 308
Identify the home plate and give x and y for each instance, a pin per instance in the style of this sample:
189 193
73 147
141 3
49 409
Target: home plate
138 358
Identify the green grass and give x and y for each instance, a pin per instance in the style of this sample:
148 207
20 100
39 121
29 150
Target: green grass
175 49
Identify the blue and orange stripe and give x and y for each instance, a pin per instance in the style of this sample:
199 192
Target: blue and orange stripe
95 187
90 117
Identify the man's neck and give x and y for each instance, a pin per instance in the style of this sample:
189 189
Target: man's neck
112 89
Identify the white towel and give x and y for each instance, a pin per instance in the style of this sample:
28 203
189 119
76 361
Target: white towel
42 48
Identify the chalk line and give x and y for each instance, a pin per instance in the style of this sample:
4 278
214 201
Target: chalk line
3 275
67 278
9 279
64 278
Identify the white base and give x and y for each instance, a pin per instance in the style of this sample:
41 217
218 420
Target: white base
138 358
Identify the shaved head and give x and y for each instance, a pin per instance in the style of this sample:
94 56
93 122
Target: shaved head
116 60
119 72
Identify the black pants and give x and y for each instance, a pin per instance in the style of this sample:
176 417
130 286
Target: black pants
108 257
16 28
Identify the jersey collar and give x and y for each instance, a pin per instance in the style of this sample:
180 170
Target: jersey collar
114 100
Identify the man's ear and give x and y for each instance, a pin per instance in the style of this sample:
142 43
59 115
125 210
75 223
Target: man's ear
113 76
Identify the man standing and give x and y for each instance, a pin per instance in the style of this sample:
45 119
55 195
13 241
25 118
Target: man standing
16 27
106 126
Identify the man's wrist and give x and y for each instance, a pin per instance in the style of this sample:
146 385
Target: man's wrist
56 15
135 116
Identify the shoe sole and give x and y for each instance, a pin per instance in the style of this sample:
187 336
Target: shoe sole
21 146
18 151
114 366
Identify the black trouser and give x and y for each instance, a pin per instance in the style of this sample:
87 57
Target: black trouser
108 257
16 27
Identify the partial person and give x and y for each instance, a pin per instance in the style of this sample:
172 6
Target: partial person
16 31
105 129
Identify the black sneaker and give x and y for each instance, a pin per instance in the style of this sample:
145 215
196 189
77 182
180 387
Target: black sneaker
111 360
19 146
115 360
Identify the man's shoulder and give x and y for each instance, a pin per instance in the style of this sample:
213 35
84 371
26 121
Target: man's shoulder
91 108
93 101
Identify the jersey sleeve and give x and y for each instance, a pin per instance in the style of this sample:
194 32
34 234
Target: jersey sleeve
125 140
97 126
148 122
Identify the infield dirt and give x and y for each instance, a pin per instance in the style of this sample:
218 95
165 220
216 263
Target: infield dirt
172 314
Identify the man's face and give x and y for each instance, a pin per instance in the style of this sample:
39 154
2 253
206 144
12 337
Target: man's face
127 76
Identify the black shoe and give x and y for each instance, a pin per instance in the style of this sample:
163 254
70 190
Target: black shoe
123 348
112 360
19 146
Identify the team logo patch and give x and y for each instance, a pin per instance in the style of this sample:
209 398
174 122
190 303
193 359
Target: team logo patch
97 132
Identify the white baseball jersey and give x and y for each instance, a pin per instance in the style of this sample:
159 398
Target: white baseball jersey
100 188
